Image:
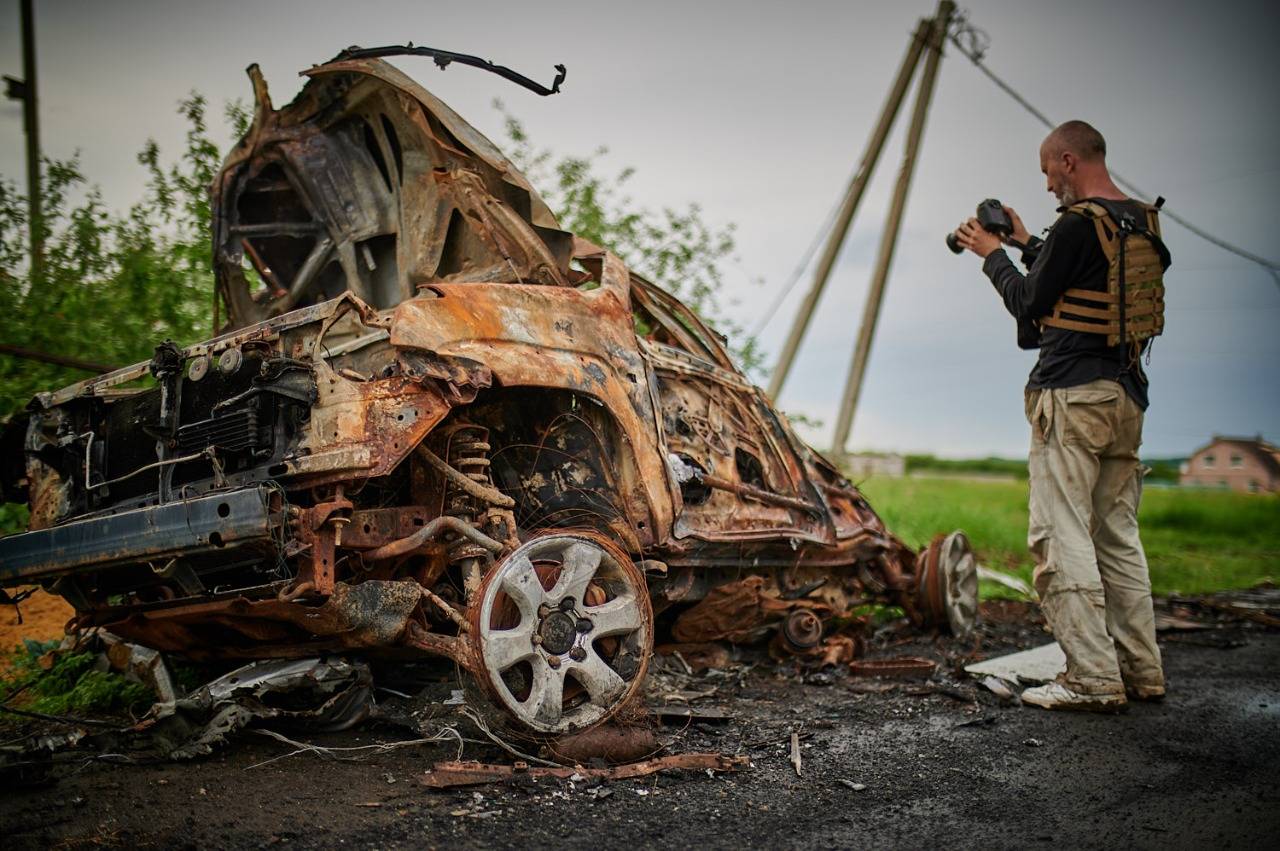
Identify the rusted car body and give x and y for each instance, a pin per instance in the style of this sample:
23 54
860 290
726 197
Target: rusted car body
437 422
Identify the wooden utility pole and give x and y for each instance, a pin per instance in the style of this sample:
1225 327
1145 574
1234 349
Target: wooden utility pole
25 91
852 197
889 240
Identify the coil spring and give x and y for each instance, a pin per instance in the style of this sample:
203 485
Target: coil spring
468 453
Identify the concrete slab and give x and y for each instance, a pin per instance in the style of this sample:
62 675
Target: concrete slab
1038 665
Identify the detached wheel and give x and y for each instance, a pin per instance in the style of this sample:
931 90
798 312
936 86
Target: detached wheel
562 633
948 589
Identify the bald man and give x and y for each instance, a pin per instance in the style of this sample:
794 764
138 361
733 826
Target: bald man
1085 402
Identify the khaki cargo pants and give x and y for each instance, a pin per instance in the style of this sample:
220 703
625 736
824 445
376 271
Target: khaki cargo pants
1091 571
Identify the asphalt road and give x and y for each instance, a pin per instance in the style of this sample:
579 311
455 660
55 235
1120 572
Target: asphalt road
1198 770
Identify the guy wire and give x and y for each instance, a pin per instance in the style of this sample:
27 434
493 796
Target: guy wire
974 46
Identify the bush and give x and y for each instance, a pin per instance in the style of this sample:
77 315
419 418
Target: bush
70 685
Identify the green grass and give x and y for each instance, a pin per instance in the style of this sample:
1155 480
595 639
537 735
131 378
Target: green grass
13 518
1161 469
70 685
932 465
1197 541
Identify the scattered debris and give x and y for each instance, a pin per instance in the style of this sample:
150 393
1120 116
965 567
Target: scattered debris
871 687
327 693
956 693
141 664
904 667
1000 689
689 695
829 652
773 740
691 714
742 612
1031 667
358 752
983 721
857 787
1260 604
795 753
451 775
696 657
1168 623
615 744
1214 639
1032 743
1007 580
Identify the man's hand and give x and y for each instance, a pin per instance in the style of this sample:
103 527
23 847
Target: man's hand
973 237
1020 233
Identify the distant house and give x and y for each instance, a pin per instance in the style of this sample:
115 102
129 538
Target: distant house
1246 464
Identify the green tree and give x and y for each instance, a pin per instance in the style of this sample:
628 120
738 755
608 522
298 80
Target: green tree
675 249
112 285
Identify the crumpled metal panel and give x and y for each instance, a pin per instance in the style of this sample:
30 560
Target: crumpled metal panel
365 615
368 183
327 694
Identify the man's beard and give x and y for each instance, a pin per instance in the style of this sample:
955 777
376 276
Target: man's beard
1068 196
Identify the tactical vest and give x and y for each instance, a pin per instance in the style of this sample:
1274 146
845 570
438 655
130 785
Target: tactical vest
1131 310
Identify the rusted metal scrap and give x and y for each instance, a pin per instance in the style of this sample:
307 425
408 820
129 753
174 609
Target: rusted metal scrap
615 744
902 667
1260 604
451 775
742 612
326 694
437 422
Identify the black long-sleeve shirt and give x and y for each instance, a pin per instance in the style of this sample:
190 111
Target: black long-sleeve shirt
1071 256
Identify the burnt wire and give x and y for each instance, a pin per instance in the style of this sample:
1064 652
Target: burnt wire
566 517
973 42
280 535
541 514
15 600
443 58
546 435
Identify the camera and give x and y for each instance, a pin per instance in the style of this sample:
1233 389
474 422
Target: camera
993 219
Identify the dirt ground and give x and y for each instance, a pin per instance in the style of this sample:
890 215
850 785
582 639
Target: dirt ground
936 763
43 617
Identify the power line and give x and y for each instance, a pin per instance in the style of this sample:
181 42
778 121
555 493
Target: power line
972 43
805 260
973 47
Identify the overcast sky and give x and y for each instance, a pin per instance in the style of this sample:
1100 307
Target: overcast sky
759 112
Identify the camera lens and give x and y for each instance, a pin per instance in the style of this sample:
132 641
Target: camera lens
953 242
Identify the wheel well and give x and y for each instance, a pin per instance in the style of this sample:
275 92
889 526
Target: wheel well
563 458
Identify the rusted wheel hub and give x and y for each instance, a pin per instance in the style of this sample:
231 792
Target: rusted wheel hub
558 632
948 583
802 629
562 632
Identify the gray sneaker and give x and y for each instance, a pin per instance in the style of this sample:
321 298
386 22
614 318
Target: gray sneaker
1057 696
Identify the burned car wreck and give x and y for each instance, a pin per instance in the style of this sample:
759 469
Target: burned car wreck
438 423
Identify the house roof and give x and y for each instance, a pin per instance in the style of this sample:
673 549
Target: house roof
1267 453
